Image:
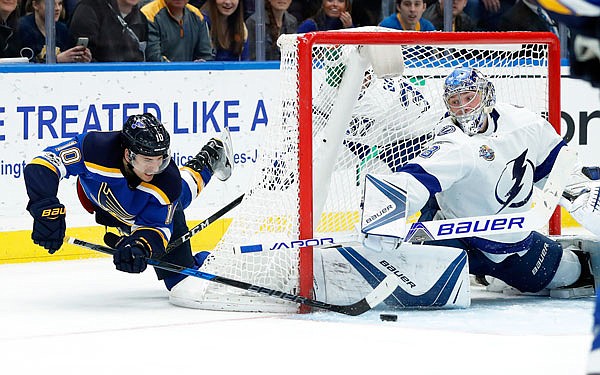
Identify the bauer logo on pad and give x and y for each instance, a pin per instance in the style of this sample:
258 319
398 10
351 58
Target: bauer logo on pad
384 207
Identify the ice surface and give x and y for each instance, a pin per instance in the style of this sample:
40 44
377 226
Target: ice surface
84 317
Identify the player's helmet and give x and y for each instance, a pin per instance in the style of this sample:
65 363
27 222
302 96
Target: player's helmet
145 135
469 117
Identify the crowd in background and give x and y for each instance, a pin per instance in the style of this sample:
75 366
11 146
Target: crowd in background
226 30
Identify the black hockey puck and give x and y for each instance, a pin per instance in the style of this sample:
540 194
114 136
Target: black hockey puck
388 317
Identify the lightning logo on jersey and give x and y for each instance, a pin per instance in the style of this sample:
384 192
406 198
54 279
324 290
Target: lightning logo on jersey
515 185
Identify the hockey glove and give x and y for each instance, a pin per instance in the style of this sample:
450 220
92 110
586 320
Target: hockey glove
49 223
215 157
585 207
130 255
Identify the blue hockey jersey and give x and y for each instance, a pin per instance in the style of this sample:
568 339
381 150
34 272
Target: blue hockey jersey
96 158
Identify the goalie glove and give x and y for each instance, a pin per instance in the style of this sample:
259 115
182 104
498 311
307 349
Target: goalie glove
216 156
582 199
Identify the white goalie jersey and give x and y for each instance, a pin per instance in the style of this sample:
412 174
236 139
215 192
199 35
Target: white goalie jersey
485 174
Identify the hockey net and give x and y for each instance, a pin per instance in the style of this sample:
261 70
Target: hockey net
337 121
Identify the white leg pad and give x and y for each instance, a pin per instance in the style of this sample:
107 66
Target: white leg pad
429 276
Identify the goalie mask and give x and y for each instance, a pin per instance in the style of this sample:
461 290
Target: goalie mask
469 96
147 143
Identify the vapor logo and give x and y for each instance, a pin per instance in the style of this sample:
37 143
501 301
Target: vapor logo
515 185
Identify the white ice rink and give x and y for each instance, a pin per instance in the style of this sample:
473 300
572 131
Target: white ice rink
84 317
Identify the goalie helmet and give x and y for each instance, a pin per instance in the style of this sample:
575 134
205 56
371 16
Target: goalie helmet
469 96
145 135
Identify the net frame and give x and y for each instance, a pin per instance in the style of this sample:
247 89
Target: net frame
305 45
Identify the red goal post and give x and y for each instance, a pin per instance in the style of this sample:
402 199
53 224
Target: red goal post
338 120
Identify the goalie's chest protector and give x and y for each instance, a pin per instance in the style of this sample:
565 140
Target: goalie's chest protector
493 172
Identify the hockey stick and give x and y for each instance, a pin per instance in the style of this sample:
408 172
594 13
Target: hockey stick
375 297
204 223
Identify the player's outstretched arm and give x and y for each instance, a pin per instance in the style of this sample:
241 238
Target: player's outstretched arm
49 224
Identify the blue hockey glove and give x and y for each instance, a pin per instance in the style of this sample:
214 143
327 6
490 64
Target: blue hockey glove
130 255
49 223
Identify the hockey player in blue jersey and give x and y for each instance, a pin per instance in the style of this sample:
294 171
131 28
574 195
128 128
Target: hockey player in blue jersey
484 160
129 181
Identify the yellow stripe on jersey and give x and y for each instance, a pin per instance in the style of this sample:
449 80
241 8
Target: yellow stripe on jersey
156 192
555 6
103 171
45 163
197 178
160 233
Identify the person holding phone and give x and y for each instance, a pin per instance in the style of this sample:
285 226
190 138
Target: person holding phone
116 29
32 30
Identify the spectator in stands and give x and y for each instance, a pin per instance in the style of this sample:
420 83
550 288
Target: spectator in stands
10 43
366 12
249 8
526 15
408 17
303 9
197 3
228 32
32 30
277 21
116 29
177 32
486 13
333 15
460 20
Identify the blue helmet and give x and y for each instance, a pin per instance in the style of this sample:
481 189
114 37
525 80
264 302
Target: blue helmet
463 80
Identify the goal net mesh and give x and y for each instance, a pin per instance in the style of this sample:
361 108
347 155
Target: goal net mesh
381 124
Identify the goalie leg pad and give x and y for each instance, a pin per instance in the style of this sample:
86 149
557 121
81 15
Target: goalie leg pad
429 276
530 271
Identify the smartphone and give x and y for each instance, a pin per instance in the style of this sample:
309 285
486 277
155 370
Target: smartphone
83 41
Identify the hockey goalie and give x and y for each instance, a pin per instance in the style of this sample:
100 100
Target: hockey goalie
485 175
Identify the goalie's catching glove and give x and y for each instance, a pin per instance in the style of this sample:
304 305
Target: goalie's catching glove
49 223
214 156
582 198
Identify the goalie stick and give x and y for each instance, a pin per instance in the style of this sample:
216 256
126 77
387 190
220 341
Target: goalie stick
543 204
388 217
375 297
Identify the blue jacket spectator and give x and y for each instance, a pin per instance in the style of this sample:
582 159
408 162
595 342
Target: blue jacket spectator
32 31
333 15
408 17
